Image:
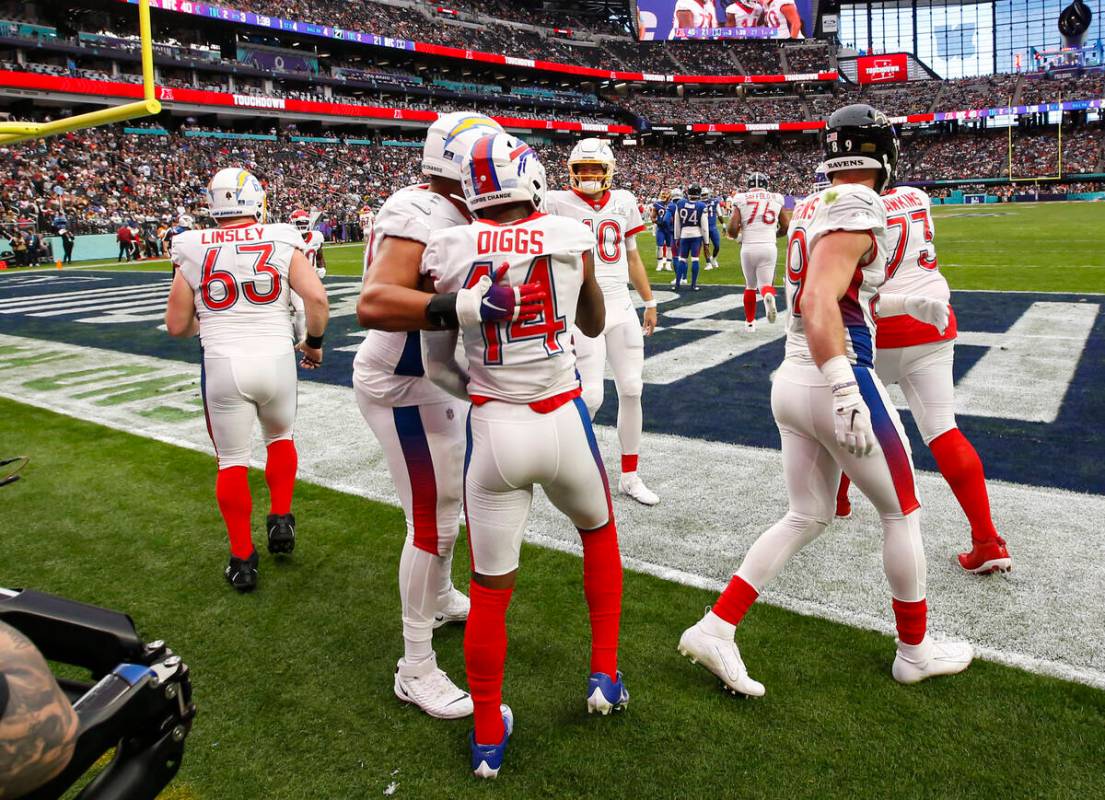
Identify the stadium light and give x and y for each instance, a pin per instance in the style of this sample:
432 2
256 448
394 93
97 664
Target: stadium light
11 132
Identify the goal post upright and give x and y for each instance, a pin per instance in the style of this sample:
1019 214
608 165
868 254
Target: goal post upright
149 105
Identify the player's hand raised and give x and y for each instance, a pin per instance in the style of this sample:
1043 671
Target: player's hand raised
852 420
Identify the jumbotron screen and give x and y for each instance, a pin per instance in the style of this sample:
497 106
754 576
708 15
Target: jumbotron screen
724 19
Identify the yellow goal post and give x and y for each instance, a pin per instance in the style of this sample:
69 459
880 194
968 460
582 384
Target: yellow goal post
149 105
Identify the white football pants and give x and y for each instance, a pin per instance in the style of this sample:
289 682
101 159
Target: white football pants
240 390
758 264
924 372
424 448
812 460
511 448
623 345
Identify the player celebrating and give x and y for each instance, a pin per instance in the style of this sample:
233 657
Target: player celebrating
693 14
919 358
420 427
528 424
659 215
713 209
759 218
612 216
832 410
783 16
232 283
690 229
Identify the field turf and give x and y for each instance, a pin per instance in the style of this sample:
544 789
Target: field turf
1039 247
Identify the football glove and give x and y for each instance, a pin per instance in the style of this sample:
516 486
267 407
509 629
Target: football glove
852 420
926 309
488 300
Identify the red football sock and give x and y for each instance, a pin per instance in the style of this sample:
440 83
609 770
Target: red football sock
842 490
735 601
911 619
766 290
749 305
236 504
484 658
962 469
629 463
280 470
602 585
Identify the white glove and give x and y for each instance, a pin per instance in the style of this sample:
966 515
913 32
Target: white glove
852 420
926 309
321 272
469 300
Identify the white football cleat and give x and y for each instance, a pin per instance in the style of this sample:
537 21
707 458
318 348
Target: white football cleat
722 657
631 485
454 608
769 307
429 688
750 327
915 662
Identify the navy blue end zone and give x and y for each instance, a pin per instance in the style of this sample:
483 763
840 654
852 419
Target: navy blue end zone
728 403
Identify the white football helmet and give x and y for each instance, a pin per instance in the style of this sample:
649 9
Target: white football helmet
676 193
449 139
234 192
186 221
820 178
502 169
591 151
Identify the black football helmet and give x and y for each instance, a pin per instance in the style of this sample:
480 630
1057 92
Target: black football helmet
757 180
694 192
861 137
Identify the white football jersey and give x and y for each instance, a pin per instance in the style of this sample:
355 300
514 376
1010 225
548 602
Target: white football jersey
519 362
388 364
773 17
614 218
312 243
240 278
744 16
846 207
759 211
704 15
911 266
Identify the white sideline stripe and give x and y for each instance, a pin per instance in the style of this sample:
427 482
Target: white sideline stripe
1045 616
135 304
82 293
46 305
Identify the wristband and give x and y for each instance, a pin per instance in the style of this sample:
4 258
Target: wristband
441 311
650 303
312 341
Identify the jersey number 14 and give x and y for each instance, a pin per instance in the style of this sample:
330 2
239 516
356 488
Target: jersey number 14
548 326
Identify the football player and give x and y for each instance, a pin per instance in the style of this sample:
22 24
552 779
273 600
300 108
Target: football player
611 214
739 14
713 210
367 217
833 412
693 14
659 215
919 358
231 284
783 16
419 426
758 218
528 424
302 221
690 230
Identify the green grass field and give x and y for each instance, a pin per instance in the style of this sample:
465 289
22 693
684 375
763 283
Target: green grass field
293 683
1039 247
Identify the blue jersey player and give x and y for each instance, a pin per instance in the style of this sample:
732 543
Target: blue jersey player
690 228
713 209
659 213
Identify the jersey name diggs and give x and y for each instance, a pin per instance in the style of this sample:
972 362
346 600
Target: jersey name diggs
253 233
511 240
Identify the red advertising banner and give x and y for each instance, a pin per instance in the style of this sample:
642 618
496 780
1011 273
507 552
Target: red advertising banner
892 68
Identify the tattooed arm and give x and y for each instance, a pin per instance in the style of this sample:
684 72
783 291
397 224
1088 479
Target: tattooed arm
38 727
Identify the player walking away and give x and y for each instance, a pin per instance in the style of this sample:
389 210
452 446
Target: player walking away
232 284
690 230
713 206
613 217
759 219
919 358
302 221
419 426
528 424
659 216
741 14
832 410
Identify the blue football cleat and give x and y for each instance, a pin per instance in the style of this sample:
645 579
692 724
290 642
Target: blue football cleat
487 759
605 694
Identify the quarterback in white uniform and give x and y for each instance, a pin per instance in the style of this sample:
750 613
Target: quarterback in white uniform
419 426
613 216
528 424
312 248
759 218
919 358
833 412
232 283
